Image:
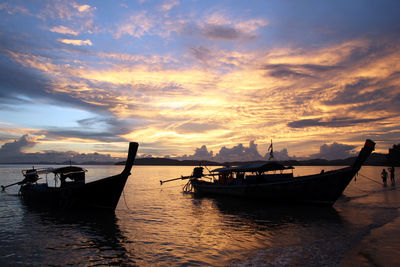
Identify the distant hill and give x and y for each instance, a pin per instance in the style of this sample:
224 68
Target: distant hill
376 159
170 162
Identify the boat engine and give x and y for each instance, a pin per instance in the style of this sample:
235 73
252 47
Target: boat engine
198 172
31 176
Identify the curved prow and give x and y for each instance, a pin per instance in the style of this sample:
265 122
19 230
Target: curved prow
369 146
133 147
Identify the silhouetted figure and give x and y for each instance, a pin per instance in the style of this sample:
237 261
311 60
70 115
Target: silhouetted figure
384 177
391 170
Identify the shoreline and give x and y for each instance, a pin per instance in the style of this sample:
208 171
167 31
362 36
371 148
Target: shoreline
381 245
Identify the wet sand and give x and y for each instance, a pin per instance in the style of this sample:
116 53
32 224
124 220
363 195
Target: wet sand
381 245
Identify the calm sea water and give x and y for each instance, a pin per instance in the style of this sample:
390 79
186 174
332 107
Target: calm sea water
160 225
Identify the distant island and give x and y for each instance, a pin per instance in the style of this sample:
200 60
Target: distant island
376 159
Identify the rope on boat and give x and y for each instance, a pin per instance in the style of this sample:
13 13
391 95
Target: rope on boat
164 187
126 204
370 178
158 188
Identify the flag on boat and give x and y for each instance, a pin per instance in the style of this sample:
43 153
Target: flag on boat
271 151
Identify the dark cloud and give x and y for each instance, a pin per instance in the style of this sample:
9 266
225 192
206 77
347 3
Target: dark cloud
225 32
96 128
335 151
20 85
18 82
290 74
13 153
370 94
15 149
216 32
319 68
82 134
297 70
353 93
201 53
193 127
334 122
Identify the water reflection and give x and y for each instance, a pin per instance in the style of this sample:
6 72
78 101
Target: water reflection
275 215
88 238
240 227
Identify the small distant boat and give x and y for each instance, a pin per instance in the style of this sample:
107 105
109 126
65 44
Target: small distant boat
262 182
73 193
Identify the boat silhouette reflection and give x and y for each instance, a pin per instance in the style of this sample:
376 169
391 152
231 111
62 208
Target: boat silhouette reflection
87 237
271 216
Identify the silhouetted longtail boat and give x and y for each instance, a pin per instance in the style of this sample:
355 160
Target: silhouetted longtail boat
257 182
73 193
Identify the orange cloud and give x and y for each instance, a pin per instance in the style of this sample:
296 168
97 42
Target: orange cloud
239 96
64 30
75 42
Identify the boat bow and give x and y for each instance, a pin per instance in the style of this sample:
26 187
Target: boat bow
365 152
133 147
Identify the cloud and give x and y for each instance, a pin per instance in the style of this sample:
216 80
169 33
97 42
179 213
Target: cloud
231 31
280 155
226 32
370 94
136 25
12 152
81 8
75 42
335 151
218 25
202 53
66 10
333 122
14 9
99 129
78 17
192 127
237 153
201 153
64 30
292 71
211 27
15 149
169 4
247 92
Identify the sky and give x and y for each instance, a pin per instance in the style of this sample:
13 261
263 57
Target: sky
197 78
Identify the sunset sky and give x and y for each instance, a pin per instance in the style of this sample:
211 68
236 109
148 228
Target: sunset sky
89 76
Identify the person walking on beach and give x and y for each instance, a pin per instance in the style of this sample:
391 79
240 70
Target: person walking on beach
391 170
384 177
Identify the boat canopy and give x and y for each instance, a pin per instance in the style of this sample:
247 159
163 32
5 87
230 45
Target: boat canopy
256 167
38 171
63 170
68 170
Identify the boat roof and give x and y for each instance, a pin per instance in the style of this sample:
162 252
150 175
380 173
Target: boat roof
69 170
62 170
255 167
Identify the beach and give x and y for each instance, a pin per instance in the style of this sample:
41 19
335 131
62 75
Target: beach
381 245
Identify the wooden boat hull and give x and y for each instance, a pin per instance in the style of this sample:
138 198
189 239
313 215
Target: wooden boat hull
100 194
322 189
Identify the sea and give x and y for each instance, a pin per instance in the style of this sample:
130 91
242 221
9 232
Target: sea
159 225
